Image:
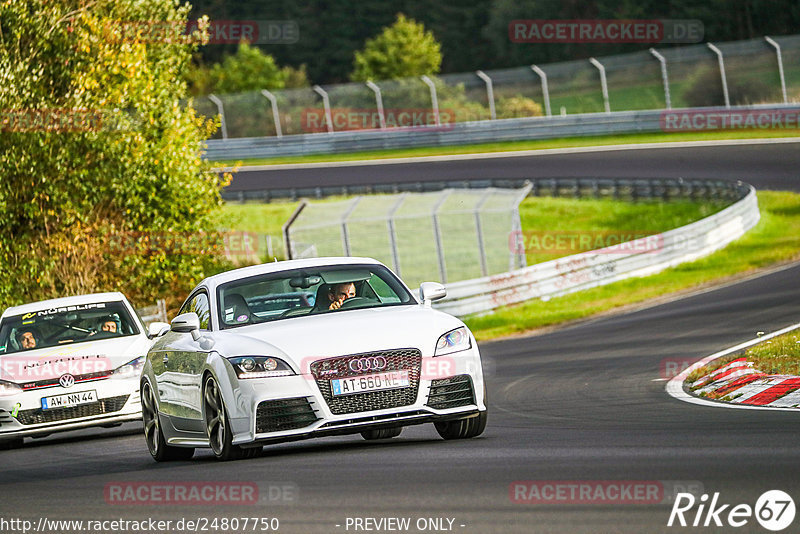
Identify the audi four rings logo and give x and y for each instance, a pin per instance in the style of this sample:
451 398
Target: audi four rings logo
66 381
368 364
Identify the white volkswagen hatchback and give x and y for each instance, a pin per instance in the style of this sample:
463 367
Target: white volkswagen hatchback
306 348
69 363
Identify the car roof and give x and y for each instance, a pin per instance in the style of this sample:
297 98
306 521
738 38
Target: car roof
218 279
113 296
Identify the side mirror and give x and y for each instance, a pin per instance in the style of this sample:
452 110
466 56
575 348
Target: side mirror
189 323
157 329
430 291
185 323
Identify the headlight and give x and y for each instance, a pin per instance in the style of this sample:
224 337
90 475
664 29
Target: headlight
132 368
453 341
260 367
9 388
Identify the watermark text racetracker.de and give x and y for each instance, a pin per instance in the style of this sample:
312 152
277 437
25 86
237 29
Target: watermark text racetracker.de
216 31
200 493
601 492
576 241
730 119
605 31
314 120
53 120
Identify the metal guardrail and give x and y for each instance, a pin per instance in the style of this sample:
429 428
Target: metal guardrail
604 266
529 128
589 187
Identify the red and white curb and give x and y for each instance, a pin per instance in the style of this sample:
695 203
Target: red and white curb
747 387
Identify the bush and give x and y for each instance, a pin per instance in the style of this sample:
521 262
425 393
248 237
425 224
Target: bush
95 145
705 90
517 106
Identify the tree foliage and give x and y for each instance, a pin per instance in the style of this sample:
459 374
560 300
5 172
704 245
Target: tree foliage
248 70
99 155
474 33
402 50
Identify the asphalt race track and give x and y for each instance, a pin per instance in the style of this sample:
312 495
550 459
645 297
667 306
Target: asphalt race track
585 403
770 166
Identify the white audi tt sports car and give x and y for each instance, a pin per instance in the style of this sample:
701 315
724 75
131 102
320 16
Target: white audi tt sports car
69 363
306 348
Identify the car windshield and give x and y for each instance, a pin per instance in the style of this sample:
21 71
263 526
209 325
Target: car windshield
65 325
302 292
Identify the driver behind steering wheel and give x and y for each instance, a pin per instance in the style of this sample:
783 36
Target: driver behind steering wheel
338 293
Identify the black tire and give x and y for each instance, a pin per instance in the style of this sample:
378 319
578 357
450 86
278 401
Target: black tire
218 429
159 450
381 433
8 444
463 428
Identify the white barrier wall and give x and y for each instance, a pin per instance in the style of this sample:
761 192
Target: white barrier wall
642 257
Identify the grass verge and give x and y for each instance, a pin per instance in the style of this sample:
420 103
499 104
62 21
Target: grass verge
509 146
542 218
775 239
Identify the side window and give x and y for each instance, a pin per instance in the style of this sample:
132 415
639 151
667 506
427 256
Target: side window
382 289
199 305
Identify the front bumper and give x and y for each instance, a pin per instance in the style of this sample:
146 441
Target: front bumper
21 415
299 407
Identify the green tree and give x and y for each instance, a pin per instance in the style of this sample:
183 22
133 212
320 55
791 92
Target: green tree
402 50
247 70
103 181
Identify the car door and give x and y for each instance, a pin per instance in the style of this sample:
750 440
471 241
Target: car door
179 368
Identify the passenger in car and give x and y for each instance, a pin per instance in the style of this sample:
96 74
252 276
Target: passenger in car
109 325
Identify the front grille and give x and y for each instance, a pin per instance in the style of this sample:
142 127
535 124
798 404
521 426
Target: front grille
52 382
396 360
284 414
103 406
451 392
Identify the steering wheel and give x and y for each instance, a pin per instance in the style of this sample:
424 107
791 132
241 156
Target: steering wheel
352 302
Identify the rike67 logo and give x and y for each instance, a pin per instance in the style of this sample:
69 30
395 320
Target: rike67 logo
774 510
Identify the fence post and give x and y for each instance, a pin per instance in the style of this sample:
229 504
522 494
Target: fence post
378 102
664 78
326 103
479 231
437 235
516 227
603 82
393 234
434 99
777 48
275 116
286 227
545 89
221 111
489 92
721 61
345 233
162 310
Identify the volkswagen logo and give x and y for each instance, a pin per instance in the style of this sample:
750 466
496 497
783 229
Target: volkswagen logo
66 381
371 363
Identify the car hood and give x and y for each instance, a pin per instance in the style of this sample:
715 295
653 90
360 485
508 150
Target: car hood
76 359
303 340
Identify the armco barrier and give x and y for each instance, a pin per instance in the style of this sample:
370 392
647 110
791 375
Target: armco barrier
605 266
621 122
